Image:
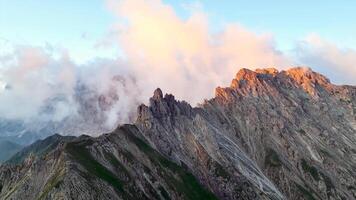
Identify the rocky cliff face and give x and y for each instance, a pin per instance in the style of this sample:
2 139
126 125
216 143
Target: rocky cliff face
270 135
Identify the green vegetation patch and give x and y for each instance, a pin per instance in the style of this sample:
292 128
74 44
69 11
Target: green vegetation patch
164 193
80 153
54 182
116 163
220 171
329 184
311 170
306 193
325 153
302 131
272 159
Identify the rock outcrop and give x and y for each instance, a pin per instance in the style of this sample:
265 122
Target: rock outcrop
270 135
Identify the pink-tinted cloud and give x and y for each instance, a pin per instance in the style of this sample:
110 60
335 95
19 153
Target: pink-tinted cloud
31 76
33 80
182 55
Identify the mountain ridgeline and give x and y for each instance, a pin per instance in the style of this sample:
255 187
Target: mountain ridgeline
269 135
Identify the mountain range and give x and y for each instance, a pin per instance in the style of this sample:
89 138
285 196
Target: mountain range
271 134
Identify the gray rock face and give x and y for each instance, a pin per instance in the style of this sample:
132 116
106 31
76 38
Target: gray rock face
288 134
270 135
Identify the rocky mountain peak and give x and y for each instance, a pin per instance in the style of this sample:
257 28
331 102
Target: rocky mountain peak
271 71
250 75
307 78
162 107
268 80
245 74
265 137
305 74
249 78
157 94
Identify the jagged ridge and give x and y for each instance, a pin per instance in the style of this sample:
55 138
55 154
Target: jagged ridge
270 135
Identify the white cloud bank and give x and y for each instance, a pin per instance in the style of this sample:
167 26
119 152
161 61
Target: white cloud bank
37 84
339 64
31 76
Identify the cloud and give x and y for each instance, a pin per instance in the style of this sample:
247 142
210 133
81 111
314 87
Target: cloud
182 55
43 85
31 76
337 63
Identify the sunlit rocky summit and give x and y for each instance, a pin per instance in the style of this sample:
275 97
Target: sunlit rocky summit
270 135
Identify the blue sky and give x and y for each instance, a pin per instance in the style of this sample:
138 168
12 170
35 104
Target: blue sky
78 25
74 25
291 20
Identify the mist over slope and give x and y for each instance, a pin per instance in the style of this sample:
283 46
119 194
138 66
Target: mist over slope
43 95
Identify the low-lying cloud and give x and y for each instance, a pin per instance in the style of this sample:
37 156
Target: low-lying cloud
30 76
40 85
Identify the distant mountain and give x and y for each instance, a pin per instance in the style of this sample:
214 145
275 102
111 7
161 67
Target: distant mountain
15 131
39 148
8 149
270 135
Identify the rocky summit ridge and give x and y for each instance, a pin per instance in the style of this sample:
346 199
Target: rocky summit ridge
271 134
